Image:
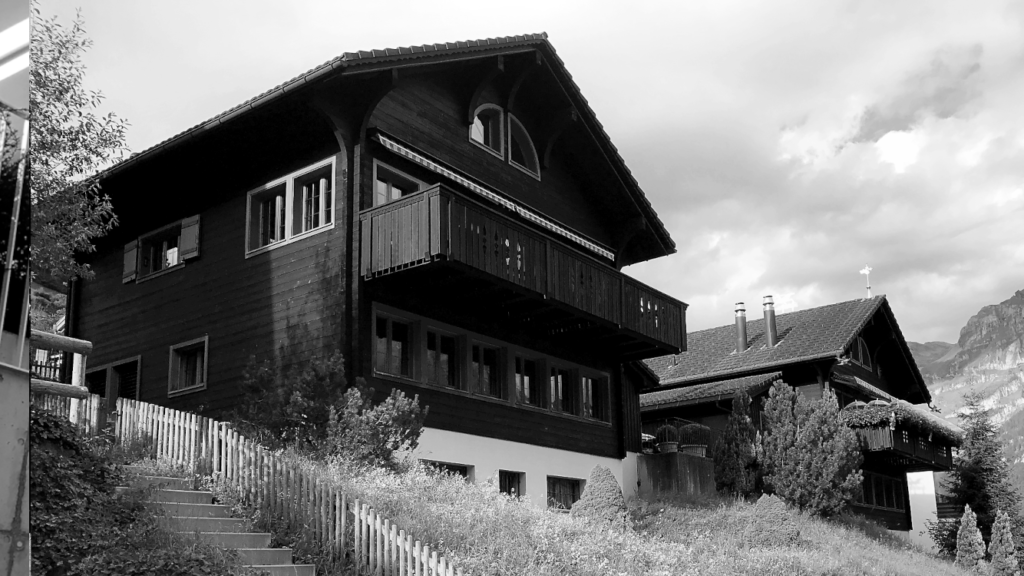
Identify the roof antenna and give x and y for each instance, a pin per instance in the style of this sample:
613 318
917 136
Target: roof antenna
866 271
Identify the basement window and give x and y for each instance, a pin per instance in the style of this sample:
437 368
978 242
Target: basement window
563 492
187 372
511 483
290 207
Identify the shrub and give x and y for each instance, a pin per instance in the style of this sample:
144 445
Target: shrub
601 500
697 434
772 524
667 433
970 548
1001 548
812 459
734 452
373 434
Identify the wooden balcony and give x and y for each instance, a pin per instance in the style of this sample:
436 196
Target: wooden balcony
442 227
907 449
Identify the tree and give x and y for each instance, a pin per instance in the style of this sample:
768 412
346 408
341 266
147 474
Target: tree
811 458
980 478
69 144
970 549
1001 548
734 451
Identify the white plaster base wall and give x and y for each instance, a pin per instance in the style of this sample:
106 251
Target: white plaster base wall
486 456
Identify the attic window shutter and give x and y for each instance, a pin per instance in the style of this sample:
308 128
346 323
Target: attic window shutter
131 257
189 245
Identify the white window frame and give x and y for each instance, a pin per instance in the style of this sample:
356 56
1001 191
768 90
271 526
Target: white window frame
290 235
173 356
529 141
377 164
500 152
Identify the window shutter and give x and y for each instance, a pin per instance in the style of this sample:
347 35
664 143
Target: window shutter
189 244
131 257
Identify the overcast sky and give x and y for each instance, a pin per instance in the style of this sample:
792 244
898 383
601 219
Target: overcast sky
784 144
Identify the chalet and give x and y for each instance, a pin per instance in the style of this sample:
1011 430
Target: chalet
855 349
452 217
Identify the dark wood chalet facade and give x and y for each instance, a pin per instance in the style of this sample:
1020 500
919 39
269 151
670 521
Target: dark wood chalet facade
855 349
452 218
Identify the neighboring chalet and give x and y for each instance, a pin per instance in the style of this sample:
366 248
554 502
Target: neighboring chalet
855 349
452 217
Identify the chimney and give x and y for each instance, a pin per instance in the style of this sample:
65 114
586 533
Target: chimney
769 321
741 327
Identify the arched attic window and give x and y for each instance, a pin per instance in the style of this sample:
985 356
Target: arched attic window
521 152
860 353
487 129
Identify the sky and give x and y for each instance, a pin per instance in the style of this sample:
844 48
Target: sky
785 145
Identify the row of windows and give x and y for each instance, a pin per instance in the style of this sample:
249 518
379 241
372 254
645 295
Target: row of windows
562 492
488 131
882 492
431 353
186 371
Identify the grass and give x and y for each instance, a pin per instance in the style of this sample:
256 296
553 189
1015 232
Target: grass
484 532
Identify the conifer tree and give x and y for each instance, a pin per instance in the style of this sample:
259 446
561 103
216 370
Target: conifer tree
811 458
734 451
980 478
1001 548
970 548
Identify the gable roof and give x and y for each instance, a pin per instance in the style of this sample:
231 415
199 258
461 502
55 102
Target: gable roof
805 335
701 393
426 52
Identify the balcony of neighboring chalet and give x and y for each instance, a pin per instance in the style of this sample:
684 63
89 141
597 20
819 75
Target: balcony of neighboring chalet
902 436
447 240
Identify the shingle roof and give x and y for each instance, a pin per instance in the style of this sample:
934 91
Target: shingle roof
703 392
366 57
805 335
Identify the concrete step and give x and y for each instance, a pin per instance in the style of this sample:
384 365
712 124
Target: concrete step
194 510
235 539
163 482
196 524
183 496
286 569
265 555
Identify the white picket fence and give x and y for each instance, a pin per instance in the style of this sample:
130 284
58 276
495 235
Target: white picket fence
264 480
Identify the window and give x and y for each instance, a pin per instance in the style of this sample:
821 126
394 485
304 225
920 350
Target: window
160 250
487 129
124 372
563 392
291 206
393 350
563 492
522 154
860 354
595 397
882 492
390 184
187 371
484 374
442 367
511 483
528 382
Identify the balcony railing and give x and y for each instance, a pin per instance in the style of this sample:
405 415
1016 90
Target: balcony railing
441 224
906 443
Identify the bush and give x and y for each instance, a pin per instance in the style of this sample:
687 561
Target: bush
735 465
772 525
373 434
811 458
1001 548
667 433
601 500
970 548
697 434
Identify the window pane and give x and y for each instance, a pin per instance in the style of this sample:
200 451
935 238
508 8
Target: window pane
381 349
381 194
588 397
401 351
527 382
449 373
432 358
879 491
490 381
570 394
325 188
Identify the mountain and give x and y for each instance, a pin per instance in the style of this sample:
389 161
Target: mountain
989 358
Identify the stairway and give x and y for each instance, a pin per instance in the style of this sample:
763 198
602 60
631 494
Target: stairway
193 511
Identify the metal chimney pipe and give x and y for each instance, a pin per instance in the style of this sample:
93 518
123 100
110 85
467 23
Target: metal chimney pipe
769 321
741 327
